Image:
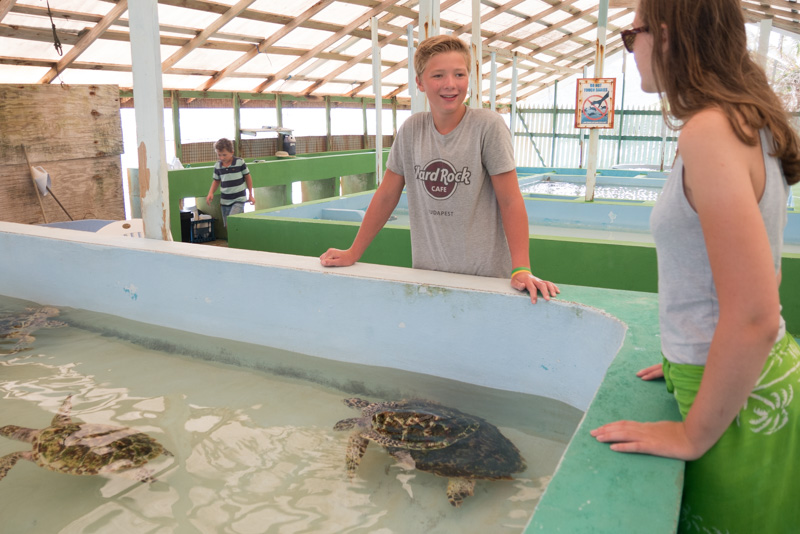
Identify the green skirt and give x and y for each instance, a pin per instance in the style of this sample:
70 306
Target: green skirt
749 481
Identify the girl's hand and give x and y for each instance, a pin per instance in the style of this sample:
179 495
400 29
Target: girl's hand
651 373
524 280
663 438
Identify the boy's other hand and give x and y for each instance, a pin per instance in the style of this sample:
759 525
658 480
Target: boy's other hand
334 257
524 280
209 198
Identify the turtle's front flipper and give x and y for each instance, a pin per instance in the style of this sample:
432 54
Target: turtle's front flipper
459 489
8 461
19 433
356 447
62 417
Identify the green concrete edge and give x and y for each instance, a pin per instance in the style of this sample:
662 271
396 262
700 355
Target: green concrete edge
581 262
596 490
195 181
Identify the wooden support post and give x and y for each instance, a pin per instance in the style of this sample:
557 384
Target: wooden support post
176 124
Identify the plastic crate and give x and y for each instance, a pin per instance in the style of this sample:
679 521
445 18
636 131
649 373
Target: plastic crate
202 231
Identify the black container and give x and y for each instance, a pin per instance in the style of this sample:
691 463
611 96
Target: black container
289 145
186 226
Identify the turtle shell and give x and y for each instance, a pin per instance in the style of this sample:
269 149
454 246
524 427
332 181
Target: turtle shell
88 449
484 454
419 424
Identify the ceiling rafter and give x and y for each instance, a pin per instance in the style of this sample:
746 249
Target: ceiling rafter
324 44
206 34
266 43
383 41
87 39
551 39
5 7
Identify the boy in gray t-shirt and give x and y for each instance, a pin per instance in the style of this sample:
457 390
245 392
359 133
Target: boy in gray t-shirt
457 165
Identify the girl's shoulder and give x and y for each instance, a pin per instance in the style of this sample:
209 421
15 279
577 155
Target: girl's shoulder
707 126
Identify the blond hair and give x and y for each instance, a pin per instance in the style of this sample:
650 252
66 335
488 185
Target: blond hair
439 44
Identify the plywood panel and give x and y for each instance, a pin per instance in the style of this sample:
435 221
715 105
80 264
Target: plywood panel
75 133
59 123
87 189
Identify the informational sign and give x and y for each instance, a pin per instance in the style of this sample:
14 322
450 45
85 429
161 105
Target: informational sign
594 106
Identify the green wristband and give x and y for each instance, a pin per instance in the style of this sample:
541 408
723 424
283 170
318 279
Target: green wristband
519 270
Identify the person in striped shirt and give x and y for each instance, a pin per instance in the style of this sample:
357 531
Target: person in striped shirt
232 178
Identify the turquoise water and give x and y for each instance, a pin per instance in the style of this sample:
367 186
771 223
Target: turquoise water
608 192
254 450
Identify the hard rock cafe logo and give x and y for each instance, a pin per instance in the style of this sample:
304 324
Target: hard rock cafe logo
440 178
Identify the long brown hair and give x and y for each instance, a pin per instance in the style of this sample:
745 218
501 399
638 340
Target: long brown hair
707 64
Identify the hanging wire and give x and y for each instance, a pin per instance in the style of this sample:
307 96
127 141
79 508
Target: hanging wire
56 41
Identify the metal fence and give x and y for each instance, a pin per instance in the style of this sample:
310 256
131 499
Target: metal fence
545 137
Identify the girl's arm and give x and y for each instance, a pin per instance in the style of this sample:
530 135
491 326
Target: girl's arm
380 208
515 226
724 180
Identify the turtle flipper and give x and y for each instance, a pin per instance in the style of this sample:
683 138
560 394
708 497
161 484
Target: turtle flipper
355 402
9 460
19 433
356 447
62 417
346 424
459 489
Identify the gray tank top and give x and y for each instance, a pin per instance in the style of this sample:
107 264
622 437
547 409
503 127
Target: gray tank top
687 297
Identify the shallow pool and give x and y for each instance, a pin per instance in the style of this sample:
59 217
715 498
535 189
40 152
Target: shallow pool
607 192
254 450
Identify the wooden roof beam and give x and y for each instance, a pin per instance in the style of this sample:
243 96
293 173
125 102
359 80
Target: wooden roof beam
324 44
87 39
266 43
206 34
533 19
5 7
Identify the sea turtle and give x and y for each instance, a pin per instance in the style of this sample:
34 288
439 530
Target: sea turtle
20 326
76 448
433 438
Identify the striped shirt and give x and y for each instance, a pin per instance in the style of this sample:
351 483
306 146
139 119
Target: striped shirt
232 187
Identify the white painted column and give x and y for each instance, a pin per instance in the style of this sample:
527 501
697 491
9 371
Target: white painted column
377 89
764 31
476 50
512 122
493 83
594 134
413 92
148 97
428 26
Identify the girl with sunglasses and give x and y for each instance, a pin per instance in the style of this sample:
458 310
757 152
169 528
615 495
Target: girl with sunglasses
718 229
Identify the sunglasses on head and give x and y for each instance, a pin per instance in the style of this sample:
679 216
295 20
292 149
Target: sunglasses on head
629 36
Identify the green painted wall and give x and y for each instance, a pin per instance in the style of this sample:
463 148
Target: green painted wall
195 181
606 264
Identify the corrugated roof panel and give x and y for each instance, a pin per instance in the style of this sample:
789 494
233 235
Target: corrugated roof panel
341 13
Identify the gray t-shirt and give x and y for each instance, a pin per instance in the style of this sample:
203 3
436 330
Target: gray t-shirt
687 298
454 216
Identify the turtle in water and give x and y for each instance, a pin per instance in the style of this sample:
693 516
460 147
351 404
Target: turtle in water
20 326
432 438
76 448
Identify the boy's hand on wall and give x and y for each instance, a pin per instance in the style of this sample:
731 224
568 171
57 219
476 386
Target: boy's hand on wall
334 257
523 280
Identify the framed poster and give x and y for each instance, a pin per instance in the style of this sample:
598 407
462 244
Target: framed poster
594 103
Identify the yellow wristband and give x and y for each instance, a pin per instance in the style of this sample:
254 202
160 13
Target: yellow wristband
520 270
